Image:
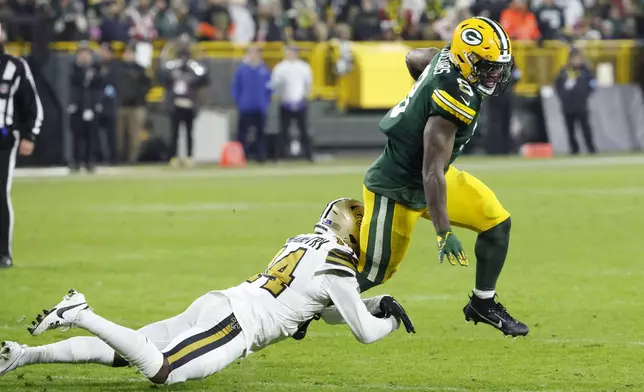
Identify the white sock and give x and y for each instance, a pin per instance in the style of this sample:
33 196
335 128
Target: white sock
484 294
82 349
133 346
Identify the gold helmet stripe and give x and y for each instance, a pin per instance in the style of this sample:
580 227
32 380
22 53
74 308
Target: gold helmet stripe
501 34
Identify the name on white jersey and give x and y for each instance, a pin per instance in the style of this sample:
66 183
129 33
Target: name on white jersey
313 242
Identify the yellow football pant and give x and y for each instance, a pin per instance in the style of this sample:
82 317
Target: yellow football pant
387 225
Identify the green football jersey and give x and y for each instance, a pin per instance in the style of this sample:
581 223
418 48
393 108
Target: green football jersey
439 91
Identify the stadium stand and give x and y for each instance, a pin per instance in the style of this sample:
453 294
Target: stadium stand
335 36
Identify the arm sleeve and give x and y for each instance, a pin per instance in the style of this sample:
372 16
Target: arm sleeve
98 91
343 291
268 88
275 78
559 82
535 33
235 86
331 314
146 82
592 80
28 105
453 105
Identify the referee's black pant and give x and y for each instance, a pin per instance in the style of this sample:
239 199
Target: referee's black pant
7 165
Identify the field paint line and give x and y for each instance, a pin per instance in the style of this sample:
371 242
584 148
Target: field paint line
198 207
627 191
272 172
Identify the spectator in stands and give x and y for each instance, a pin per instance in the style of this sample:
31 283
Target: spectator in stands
266 24
6 15
251 91
165 20
573 12
366 24
417 15
216 23
244 31
176 21
489 8
142 16
586 30
84 106
23 9
291 81
303 21
614 27
574 85
343 11
71 23
182 79
115 25
550 18
132 89
107 117
445 26
519 22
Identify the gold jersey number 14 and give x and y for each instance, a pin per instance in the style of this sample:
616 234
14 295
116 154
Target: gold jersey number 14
280 272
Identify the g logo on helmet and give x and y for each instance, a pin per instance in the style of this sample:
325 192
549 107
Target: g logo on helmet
472 37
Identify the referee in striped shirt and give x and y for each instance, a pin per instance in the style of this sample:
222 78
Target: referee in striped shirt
21 117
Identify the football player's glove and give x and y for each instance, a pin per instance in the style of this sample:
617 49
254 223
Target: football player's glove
390 307
302 328
450 246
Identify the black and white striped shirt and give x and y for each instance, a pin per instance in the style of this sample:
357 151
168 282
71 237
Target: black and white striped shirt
20 106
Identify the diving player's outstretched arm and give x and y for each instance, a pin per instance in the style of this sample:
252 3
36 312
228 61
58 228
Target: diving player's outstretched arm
343 291
438 142
331 314
418 59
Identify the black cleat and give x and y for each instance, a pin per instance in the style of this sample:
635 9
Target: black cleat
6 262
493 313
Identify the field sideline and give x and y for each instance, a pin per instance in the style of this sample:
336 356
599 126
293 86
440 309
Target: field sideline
143 243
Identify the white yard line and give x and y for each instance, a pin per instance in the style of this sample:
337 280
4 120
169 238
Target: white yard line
197 207
285 171
580 191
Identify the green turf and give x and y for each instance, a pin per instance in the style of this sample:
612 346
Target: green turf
142 246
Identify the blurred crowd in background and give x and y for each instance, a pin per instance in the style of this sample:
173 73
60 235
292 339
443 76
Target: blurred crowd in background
244 21
107 103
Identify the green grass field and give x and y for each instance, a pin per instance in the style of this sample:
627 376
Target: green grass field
144 244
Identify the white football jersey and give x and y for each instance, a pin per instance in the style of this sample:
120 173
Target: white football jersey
294 288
